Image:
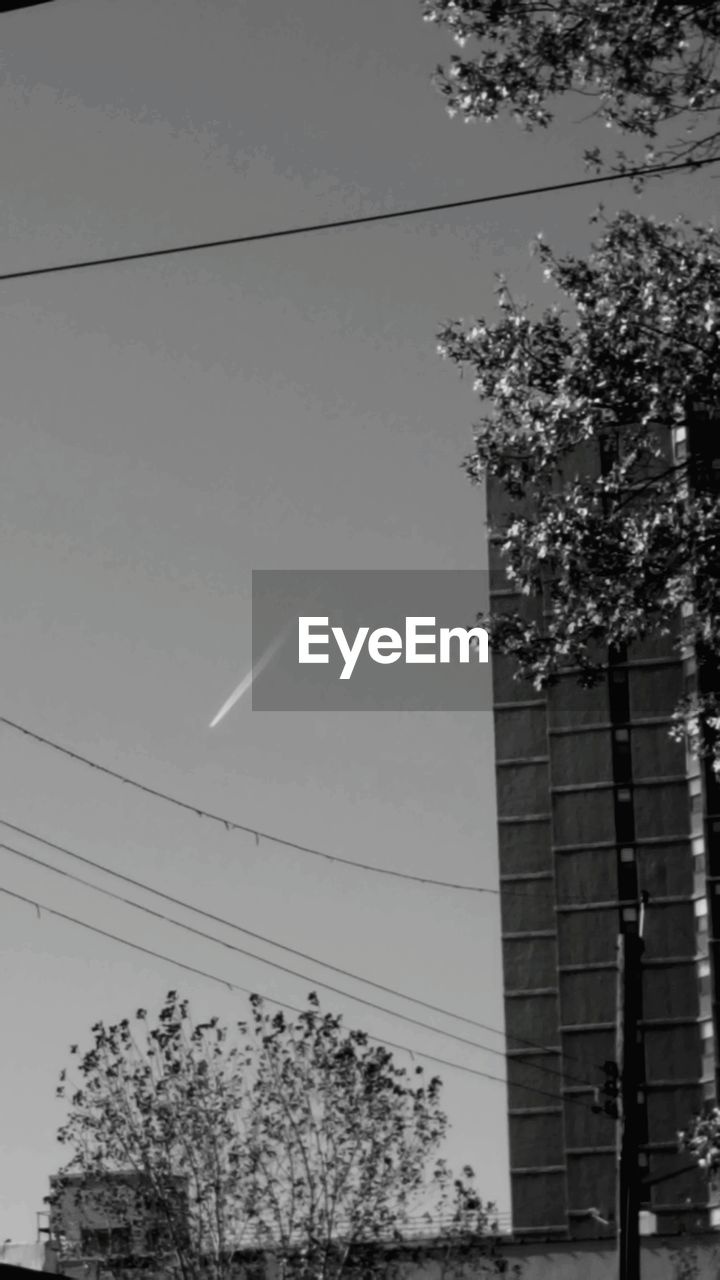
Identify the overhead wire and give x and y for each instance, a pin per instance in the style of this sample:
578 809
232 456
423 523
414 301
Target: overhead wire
358 220
208 937
260 937
283 1004
231 825
144 887
257 237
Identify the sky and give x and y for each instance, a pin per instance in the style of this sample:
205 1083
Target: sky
167 427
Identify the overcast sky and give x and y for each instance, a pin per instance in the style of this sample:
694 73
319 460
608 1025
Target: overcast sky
167 427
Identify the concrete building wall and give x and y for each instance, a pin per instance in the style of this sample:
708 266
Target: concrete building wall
37 1256
687 1259
680 1258
662 1258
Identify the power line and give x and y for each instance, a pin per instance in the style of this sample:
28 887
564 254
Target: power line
340 223
208 937
282 1004
272 942
304 955
231 924
230 825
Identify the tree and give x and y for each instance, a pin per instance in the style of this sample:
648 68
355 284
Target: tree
702 1140
299 1139
647 66
609 536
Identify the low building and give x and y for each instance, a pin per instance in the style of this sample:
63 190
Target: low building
91 1238
111 1216
39 1256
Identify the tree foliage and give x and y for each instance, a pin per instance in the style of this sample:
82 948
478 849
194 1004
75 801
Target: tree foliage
702 1141
646 66
300 1139
610 536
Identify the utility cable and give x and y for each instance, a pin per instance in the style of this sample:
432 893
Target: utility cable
208 937
260 937
283 1004
337 224
230 825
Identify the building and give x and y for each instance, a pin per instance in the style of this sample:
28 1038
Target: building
23 1258
110 1216
426 1253
662 1258
596 803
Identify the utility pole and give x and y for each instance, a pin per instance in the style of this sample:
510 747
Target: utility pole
630 1058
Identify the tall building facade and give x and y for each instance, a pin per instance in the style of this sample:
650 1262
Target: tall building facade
596 806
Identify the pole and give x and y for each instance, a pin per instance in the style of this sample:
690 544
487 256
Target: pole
629 1191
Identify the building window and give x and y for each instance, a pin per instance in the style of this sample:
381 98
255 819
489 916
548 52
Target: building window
619 695
106 1241
622 761
624 815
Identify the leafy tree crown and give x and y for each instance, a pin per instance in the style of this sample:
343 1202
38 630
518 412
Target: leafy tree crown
607 533
645 67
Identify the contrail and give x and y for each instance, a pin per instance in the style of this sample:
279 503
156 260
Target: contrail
247 680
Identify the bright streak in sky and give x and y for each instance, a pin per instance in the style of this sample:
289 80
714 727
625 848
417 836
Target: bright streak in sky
246 682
